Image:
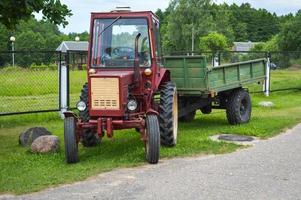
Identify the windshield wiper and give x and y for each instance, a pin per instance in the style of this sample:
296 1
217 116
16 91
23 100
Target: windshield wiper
115 20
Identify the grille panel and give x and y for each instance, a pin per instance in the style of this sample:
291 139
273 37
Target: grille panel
105 93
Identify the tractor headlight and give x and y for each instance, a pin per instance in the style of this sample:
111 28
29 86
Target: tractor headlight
81 106
132 105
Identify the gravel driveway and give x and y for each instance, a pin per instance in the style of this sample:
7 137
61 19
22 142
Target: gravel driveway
269 170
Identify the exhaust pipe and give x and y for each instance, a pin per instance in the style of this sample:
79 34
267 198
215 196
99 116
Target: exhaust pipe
136 61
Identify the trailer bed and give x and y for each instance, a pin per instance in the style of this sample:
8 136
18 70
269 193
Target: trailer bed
193 77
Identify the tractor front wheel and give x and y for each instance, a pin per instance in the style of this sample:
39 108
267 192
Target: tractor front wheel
168 114
152 144
71 150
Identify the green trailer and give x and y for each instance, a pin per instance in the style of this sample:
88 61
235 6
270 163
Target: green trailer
205 87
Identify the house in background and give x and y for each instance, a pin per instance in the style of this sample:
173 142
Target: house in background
77 50
244 46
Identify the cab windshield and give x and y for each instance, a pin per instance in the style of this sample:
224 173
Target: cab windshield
114 42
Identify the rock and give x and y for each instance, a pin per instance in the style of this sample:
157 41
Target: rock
46 144
27 137
266 103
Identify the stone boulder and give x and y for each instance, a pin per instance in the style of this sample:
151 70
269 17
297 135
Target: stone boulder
27 137
266 104
46 144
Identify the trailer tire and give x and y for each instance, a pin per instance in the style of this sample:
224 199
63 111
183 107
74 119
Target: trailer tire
206 110
71 150
152 144
188 118
239 107
168 114
89 139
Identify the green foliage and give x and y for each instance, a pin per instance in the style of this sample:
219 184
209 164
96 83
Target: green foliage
84 36
183 18
12 12
290 35
213 42
272 44
258 47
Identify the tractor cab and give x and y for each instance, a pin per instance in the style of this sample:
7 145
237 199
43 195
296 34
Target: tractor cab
114 36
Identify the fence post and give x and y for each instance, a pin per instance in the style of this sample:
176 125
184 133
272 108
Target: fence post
63 79
215 59
267 76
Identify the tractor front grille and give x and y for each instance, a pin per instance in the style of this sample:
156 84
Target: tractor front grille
105 93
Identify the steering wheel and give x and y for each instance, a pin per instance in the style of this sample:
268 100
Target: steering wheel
122 52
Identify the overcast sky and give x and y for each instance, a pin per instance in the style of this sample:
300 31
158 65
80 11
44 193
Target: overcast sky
79 22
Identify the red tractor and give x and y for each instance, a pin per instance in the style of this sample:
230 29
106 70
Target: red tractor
127 86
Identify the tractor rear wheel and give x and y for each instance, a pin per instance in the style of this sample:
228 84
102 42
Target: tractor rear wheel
89 138
71 150
239 107
152 144
168 114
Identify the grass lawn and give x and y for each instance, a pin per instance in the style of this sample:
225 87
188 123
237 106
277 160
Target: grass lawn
23 172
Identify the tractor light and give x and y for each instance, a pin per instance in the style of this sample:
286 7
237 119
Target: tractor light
92 71
132 105
81 106
148 72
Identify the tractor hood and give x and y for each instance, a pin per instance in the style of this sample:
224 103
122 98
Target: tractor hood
125 77
109 92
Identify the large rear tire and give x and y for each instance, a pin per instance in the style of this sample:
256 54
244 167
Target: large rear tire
239 107
168 116
71 150
152 144
89 138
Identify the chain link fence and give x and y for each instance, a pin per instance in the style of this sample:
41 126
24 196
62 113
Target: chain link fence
30 81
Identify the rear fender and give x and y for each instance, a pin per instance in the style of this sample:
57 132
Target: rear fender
164 77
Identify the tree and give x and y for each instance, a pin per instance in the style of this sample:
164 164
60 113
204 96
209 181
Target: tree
30 40
290 35
213 42
187 18
12 12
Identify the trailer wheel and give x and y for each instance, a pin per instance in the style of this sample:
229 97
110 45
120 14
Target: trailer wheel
71 150
188 118
239 107
152 144
168 116
89 138
206 110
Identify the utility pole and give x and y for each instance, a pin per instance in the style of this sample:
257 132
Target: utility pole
192 40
